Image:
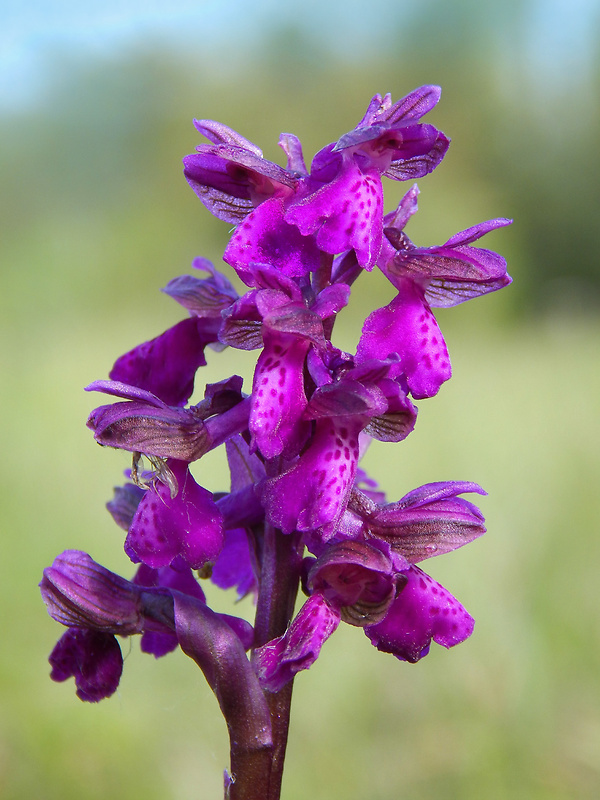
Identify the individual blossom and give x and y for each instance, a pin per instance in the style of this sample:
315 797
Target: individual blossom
435 276
367 576
238 185
429 521
146 424
341 202
96 605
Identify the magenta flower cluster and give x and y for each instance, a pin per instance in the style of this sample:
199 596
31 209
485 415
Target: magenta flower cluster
299 511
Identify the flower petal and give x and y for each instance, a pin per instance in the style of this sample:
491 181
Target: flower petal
423 611
265 237
406 326
189 524
91 657
278 399
313 493
166 365
279 660
345 214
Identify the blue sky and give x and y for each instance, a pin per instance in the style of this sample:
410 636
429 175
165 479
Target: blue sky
558 34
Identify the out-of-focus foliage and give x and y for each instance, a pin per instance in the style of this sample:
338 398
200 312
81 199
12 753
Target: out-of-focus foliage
97 217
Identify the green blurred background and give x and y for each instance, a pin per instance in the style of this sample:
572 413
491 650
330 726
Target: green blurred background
96 217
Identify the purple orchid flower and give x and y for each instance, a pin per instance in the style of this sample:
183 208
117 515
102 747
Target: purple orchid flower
436 276
238 185
341 203
370 580
96 605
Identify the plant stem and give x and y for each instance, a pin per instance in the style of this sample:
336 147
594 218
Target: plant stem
279 580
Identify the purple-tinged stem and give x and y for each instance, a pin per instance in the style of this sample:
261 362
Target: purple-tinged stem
279 581
219 653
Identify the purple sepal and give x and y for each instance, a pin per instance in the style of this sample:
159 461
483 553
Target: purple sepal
167 365
188 524
413 106
207 176
218 133
279 660
409 169
80 593
91 657
423 611
291 146
144 428
202 297
124 504
230 179
407 207
427 522
453 272
236 565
